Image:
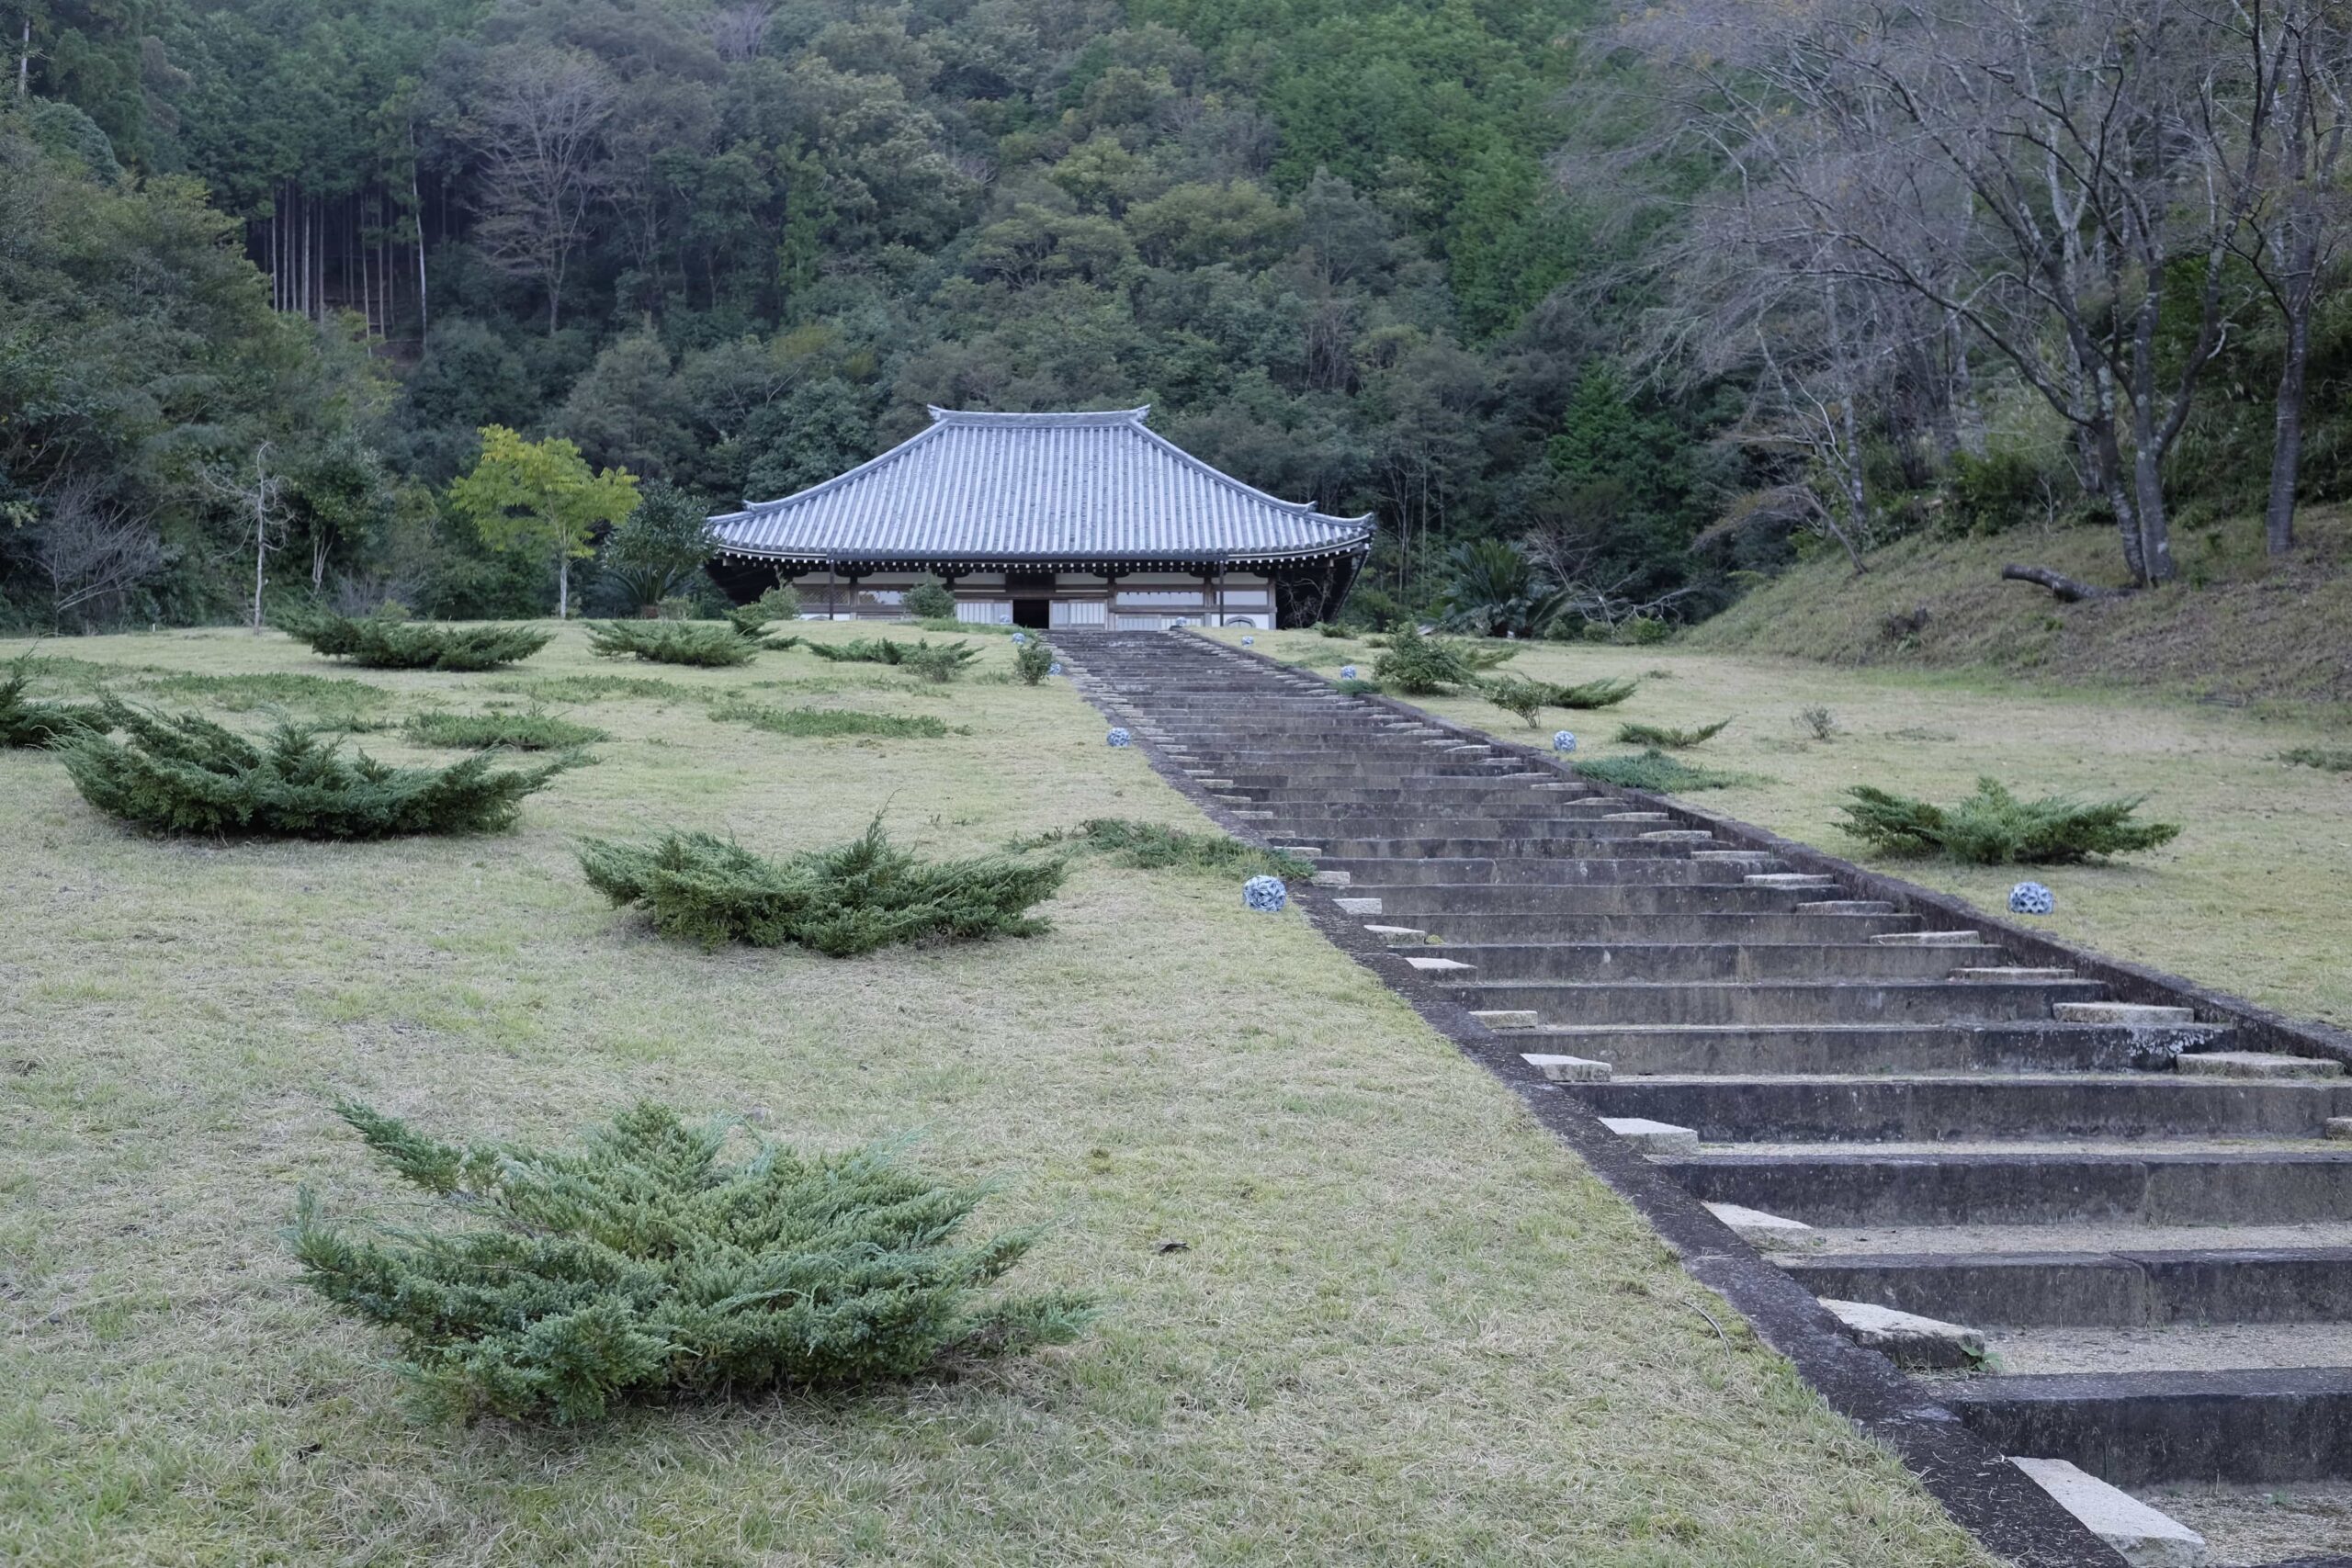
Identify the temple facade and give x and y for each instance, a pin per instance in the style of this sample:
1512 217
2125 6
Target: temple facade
1047 520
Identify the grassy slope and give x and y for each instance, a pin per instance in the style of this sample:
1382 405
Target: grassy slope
1407 1326
2236 627
2249 898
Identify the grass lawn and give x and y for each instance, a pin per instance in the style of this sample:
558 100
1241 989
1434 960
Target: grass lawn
2249 898
1360 1308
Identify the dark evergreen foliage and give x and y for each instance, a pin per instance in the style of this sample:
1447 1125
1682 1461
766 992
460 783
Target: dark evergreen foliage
532 731
850 900
642 1265
1654 736
922 654
1654 771
820 723
186 774
1992 827
1418 664
704 644
1032 660
2328 759
39 721
1149 846
381 642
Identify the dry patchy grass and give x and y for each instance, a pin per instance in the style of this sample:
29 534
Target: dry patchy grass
1404 1326
2250 898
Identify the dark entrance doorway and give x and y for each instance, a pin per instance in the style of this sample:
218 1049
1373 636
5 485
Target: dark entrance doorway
1038 613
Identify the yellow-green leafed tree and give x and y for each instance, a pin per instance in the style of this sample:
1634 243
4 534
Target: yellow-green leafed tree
539 495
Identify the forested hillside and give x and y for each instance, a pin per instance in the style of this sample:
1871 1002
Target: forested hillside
1635 308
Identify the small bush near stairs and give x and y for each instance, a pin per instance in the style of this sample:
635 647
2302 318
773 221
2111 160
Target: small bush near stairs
639 1266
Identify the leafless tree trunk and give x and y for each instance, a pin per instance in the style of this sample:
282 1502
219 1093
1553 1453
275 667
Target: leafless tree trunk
739 32
261 499
538 128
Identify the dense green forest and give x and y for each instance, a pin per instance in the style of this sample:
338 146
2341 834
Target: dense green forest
1489 268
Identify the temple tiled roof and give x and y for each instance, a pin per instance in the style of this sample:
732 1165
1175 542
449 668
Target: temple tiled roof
1046 488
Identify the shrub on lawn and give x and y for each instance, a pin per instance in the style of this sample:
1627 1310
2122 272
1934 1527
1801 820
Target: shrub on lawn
1602 693
1654 770
2329 758
1992 827
703 644
37 721
853 899
640 1265
939 663
1656 735
186 774
1148 846
1528 699
1353 688
1032 660
820 723
920 655
379 642
931 600
596 689
1422 665
532 731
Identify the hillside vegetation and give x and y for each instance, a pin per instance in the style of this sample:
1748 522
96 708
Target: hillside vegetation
2237 627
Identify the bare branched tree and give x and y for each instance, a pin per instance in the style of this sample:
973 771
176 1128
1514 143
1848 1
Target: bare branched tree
539 128
91 549
258 498
739 32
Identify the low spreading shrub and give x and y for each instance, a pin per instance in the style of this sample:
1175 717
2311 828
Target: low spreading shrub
1148 846
820 723
37 721
187 774
245 694
1356 688
882 651
1032 660
570 688
639 1264
1528 699
939 663
1654 771
1992 827
2328 759
702 644
381 642
532 731
1418 664
1603 694
853 899
1819 722
1657 735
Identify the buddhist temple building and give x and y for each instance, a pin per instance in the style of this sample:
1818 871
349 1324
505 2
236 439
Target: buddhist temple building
1047 520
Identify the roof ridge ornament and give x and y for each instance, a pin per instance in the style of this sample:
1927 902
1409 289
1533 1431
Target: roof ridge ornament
1076 416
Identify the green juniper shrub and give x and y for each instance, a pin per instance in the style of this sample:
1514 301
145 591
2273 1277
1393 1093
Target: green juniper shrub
187 774
244 694
534 731
1654 771
781 603
641 1265
931 600
1418 664
383 642
939 663
1992 827
820 723
1515 695
1657 735
1819 722
2329 758
1602 693
702 644
1356 688
1148 846
751 623
850 900
1032 660
1644 631
37 721
571 689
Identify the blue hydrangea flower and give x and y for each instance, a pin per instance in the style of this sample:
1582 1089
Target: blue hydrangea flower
1020 637
1564 740
1248 642
1119 738
1055 668
1346 671
2031 898
1265 894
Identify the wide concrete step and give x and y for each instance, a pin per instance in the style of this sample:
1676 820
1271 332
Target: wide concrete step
1884 1108
2033 1349
1500 933
1633 960
1746 1050
2132 1428
1432 902
2121 1289
1602 841
1775 1001
1836 1185
1627 865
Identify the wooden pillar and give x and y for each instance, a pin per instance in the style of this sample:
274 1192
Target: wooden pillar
833 577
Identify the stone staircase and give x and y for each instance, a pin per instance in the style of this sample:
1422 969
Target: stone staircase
2114 1241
